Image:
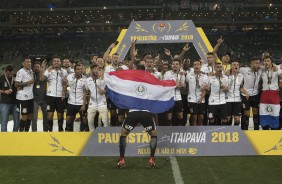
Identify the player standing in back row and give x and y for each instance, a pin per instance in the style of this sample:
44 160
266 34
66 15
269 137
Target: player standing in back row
24 83
55 76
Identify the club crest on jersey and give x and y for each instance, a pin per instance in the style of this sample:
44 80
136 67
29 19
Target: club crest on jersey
140 89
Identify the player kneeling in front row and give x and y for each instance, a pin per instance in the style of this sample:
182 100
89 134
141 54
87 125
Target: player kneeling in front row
145 118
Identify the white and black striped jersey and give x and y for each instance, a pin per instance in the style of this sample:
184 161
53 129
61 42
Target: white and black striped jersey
171 75
96 99
217 95
26 92
76 89
270 80
234 82
206 69
55 82
195 84
251 80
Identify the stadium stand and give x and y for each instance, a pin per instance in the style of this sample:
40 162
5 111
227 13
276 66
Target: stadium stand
58 26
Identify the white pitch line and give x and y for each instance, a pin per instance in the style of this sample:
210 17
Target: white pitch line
176 171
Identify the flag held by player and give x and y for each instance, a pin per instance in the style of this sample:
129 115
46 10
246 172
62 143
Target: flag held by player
137 89
269 108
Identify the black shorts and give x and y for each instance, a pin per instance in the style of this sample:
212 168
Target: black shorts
253 102
197 108
25 106
217 110
144 118
122 111
111 105
66 103
178 107
234 108
55 103
72 110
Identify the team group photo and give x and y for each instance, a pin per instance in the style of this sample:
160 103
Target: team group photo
140 91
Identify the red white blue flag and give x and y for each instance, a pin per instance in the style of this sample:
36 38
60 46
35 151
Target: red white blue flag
269 108
138 89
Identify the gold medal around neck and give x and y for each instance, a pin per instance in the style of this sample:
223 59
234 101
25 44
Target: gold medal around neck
11 90
68 88
37 86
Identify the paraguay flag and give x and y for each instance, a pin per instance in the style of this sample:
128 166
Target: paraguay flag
138 89
269 108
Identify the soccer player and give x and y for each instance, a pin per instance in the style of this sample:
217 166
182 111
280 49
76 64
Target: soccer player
175 75
145 118
218 86
121 112
93 60
233 96
270 93
8 99
76 101
24 83
252 76
55 76
67 66
149 64
225 58
197 82
95 86
208 68
184 91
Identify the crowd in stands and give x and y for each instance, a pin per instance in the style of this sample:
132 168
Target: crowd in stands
78 16
80 47
202 4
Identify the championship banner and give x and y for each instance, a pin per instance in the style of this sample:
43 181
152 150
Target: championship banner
163 31
172 141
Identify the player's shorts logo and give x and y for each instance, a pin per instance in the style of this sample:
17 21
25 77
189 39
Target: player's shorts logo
210 115
191 110
244 106
24 110
140 89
